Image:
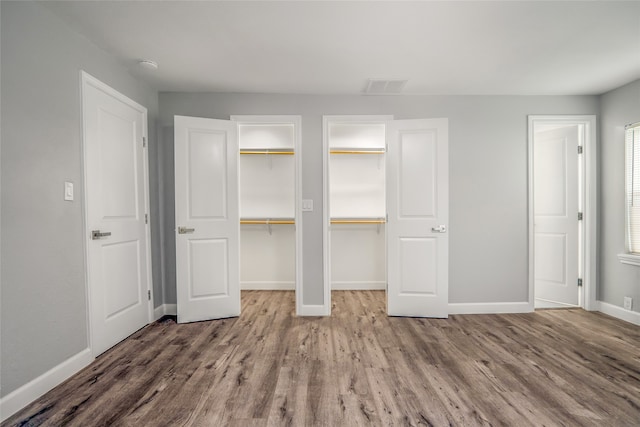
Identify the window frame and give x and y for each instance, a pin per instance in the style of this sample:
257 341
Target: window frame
632 254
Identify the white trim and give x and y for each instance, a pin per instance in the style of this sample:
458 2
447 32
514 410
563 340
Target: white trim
170 309
158 312
315 310
619 312
296 121
630 259
258 285
326 218
587 298
490 307
165 310
18 399
87 79
326 211
358 285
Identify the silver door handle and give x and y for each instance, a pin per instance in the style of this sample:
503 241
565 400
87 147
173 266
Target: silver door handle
439 229
96 234
185 230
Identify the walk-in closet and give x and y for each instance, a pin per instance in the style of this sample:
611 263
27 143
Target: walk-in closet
267 172
357 208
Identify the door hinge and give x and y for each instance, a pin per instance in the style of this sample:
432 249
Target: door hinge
579 282
144 142
580 216
579 149
149 294
146 218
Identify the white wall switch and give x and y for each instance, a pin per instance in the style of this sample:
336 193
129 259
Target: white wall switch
307 205
68 190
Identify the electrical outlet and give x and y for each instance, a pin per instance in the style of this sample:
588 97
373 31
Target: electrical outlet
628 303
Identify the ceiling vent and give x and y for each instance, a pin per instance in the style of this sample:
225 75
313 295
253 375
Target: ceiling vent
384 86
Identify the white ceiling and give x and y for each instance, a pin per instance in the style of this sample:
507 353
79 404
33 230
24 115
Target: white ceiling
331 47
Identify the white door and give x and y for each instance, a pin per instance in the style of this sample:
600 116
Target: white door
556 231
207 219
116 200
418 218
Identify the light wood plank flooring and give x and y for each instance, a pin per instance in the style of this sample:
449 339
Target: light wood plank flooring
358 367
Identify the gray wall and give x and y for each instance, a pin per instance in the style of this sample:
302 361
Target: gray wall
618 108
488 173
43 301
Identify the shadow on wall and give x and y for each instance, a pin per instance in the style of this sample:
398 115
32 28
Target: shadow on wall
168 214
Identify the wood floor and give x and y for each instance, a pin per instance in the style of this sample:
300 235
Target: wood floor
358 367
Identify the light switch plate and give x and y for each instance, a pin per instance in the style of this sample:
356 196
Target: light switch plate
307 205
68 190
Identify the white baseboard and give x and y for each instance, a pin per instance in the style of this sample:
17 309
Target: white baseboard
18 399
164 310
358 286
158 312
170 309
314 310
267 286
490 308
619 312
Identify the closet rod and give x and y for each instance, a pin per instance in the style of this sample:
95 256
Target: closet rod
286 153
357 151
359 221
267 221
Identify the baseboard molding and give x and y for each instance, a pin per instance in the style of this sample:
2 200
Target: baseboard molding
165 310
18 399
314 310
267 286
358 286
158 312
170 309
619 312
490 308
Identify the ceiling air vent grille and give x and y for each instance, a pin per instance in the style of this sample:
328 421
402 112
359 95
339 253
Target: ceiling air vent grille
384 86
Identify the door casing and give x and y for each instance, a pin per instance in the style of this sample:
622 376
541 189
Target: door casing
588 178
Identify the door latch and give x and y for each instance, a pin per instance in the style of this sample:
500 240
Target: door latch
185 230
97 234
439 229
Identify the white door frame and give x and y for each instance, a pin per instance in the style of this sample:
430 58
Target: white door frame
325 308
297 149
88 80
588 177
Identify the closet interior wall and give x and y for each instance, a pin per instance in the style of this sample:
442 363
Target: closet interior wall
267 206
357 204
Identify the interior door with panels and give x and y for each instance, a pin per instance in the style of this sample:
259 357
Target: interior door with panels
418 218
116 206
207 219
556 206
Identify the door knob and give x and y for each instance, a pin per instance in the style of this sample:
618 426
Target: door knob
439 229
185 230
97 234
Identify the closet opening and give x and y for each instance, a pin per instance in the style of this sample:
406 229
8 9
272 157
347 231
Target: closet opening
386 211
356 201
268 171
238 211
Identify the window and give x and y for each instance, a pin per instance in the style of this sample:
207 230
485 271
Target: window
632 187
